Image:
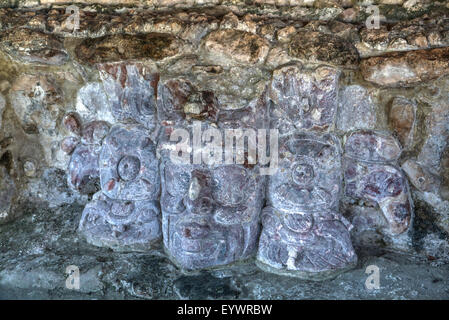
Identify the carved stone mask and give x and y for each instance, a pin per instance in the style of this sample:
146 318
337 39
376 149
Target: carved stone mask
210 214
308 176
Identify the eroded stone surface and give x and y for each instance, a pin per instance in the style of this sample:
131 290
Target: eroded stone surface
402 116
420 177
211 210
406 69
236 45
303 235
2 108
121 225
321 47
83 170
155 46
84 148
37 100
7 194
357 109
33 46
372 146
369 177
304 99
180 99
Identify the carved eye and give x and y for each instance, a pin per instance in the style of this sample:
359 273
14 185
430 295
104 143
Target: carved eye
177 180
128 167
303 174
230 185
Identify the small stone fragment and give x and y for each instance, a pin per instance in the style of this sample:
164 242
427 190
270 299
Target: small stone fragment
402 119
29 168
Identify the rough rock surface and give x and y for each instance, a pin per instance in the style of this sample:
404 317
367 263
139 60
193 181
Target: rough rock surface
33 46
127 47
406 69
36 250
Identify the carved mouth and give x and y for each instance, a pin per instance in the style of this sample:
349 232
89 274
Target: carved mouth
197 239
201 248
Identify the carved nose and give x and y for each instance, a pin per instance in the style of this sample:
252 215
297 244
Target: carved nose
194 189
199 199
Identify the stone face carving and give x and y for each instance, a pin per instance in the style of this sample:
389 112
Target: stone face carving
371 176
121 225
210 209
303 233
304 99
125 215
210 214
128 164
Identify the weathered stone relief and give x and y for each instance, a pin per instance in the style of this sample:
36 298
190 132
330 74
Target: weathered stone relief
370 175
210 206
303 234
